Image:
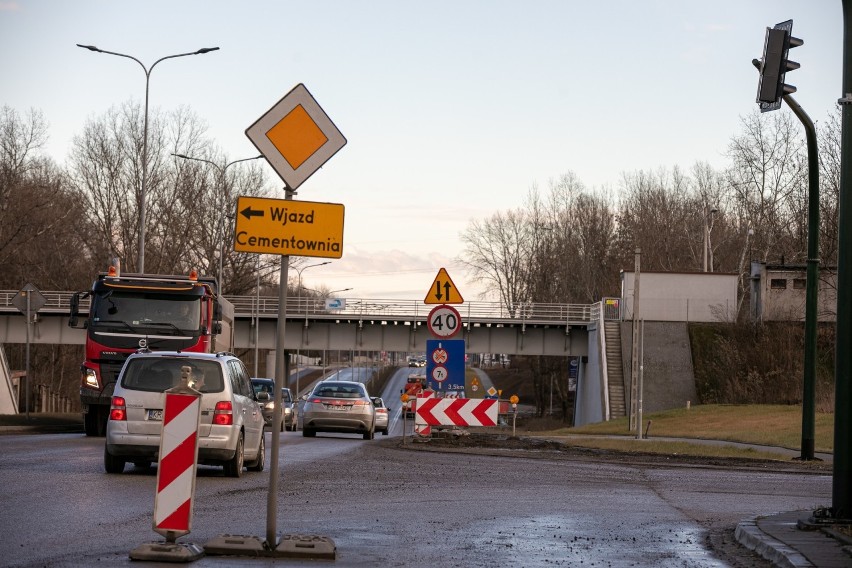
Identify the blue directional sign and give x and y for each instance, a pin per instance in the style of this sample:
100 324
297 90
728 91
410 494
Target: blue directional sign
445 364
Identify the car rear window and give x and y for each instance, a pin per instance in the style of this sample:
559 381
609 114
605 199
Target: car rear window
157 374
339 390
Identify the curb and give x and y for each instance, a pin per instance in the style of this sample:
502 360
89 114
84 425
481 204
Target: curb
752 537
42 429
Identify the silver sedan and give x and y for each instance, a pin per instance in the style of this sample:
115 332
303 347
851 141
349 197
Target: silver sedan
339 406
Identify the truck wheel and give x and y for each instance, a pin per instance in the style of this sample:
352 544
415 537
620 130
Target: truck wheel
112 464
94 422
234 466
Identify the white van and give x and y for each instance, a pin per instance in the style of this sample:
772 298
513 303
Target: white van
230 432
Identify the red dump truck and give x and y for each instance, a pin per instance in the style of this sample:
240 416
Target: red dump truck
129 312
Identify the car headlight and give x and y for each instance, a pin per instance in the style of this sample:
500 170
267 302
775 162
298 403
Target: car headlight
288 410
270 405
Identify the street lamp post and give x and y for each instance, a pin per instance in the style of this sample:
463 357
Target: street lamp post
708 212
299 304
224 186
147 70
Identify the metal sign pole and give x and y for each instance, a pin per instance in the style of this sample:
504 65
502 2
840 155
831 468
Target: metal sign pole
27 368
280 368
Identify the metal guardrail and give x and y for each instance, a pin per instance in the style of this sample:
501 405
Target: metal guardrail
363 309
390 309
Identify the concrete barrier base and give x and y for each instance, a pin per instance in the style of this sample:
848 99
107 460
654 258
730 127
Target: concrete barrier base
167 552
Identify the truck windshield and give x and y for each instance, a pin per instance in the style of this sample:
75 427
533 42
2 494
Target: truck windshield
175 313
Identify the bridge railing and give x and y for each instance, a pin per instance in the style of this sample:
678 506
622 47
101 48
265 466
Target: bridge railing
55 301
373 309
367 309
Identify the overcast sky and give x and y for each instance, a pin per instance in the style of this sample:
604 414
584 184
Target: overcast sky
452 109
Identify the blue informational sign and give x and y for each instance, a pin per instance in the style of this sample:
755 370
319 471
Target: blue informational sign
445 364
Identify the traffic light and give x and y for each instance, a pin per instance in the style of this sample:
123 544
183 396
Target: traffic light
774 66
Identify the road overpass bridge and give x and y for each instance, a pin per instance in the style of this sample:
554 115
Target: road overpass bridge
360 325
374 325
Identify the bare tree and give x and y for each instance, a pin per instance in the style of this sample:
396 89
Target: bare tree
495 253
657 214
829 185
39 217
190 205
768 178
573 235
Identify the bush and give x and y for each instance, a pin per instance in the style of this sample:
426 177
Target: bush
749 363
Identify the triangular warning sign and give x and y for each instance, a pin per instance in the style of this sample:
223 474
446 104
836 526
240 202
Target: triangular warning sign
443 291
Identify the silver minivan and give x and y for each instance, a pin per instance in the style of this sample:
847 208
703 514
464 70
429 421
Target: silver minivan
230 432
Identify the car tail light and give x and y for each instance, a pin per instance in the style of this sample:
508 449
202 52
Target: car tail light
360 403
223 414
118 410
316 401
382 410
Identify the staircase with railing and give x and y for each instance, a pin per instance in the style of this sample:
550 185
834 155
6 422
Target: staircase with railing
615 372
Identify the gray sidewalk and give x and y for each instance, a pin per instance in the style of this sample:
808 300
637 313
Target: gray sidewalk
779 539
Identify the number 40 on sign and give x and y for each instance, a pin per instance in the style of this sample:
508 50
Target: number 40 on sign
444 321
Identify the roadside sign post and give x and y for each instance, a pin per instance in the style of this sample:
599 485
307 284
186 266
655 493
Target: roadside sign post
28 301
404 399
297 138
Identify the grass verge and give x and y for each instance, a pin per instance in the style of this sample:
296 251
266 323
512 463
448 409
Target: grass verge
770 425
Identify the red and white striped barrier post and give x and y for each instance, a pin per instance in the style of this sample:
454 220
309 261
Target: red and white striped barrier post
178 460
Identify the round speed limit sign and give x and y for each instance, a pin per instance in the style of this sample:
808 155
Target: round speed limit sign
444 321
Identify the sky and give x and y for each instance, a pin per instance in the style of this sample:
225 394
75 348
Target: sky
452 109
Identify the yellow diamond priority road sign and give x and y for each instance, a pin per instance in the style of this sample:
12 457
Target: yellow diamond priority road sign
288 227
296 136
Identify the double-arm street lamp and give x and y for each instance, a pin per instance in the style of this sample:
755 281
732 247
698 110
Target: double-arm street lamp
141 264
223 188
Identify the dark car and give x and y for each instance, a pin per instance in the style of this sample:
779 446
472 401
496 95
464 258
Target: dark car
288 415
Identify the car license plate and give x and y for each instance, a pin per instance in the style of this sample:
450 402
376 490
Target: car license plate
155 414
337 407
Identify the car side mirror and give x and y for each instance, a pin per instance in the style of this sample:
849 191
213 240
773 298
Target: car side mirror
263 397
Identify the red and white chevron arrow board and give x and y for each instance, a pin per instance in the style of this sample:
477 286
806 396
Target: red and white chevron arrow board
178 462
456 412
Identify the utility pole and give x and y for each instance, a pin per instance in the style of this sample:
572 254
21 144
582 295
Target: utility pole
634 361
842 480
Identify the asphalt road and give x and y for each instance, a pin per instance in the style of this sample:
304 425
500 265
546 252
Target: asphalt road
383 503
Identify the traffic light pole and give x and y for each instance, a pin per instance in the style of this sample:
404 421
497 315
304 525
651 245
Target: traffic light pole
812 282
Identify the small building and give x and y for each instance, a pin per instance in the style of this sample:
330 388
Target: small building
778 292
681 296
